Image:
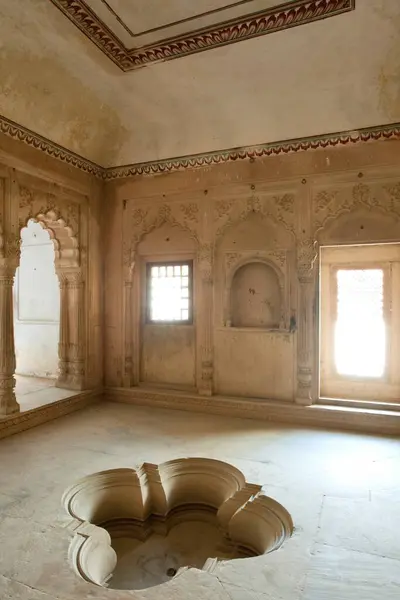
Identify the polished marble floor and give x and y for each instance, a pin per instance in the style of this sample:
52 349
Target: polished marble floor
341 489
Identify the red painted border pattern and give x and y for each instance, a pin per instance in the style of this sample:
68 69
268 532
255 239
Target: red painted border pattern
331 140
23 134
193 161
285 16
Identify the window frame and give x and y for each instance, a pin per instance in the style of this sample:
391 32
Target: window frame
169 263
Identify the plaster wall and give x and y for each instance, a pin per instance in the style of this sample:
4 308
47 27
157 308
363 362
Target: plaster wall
276 211
36 305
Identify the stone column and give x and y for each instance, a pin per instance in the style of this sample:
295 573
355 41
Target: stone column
205 265
128 378
62 379
72 331
305 322
8 402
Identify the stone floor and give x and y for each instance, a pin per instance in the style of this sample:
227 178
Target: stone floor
32 392
341 489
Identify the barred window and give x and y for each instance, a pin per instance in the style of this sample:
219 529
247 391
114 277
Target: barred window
360 332
169 287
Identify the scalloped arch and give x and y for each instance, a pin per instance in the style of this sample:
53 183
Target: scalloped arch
65 242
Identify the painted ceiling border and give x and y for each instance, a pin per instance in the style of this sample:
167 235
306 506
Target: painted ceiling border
285 16
207 159
35 140
192 161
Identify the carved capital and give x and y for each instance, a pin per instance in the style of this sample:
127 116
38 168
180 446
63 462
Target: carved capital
307 253
71 279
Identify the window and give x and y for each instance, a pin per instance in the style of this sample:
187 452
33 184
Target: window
360 322
359 332
169 289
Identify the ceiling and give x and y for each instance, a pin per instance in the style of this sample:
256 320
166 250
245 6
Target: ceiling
137 33
142 22
335 74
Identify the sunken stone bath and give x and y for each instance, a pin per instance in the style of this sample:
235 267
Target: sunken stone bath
138 528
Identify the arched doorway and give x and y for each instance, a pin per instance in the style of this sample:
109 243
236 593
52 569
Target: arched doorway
36 312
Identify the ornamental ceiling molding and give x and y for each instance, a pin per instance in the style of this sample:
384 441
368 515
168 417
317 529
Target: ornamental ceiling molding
285 16
201 160
35 140
208 159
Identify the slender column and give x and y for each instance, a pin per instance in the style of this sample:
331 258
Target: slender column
205 263
305 322
128 332
8 402
72 334
63 333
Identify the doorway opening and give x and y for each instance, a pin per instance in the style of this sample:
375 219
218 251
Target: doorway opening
36 318
360 322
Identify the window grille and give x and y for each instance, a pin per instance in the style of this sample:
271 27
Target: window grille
169 292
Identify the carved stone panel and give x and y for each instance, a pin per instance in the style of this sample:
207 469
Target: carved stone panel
365 198
280 208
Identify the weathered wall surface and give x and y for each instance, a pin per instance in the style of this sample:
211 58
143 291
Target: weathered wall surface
273 212
299 82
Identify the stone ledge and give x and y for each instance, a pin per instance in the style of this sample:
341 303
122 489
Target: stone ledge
37 416
333 417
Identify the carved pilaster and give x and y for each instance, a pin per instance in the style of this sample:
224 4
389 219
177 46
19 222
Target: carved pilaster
8 402
72 334
306 256
63 334
205 266
128 376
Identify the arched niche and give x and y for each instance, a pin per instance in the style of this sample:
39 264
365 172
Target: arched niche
255 291
161 353
255 238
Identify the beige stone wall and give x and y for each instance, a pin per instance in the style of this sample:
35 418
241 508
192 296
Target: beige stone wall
67 203
276 212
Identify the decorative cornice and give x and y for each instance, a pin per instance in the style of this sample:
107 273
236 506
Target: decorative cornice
207 159
29 137
201 160
278 18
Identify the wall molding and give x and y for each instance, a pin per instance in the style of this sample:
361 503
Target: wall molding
316 415
18 132
16 423
39 142
278 18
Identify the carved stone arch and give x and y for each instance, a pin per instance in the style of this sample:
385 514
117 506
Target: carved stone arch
240 264
144 222
359 225
166 218
65 240
244 215
72 283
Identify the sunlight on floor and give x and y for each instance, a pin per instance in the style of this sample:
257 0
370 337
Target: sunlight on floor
33 392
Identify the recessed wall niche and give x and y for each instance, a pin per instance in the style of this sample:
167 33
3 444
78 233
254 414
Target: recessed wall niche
255 296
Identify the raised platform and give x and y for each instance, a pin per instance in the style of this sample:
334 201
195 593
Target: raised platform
372 420
26 419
